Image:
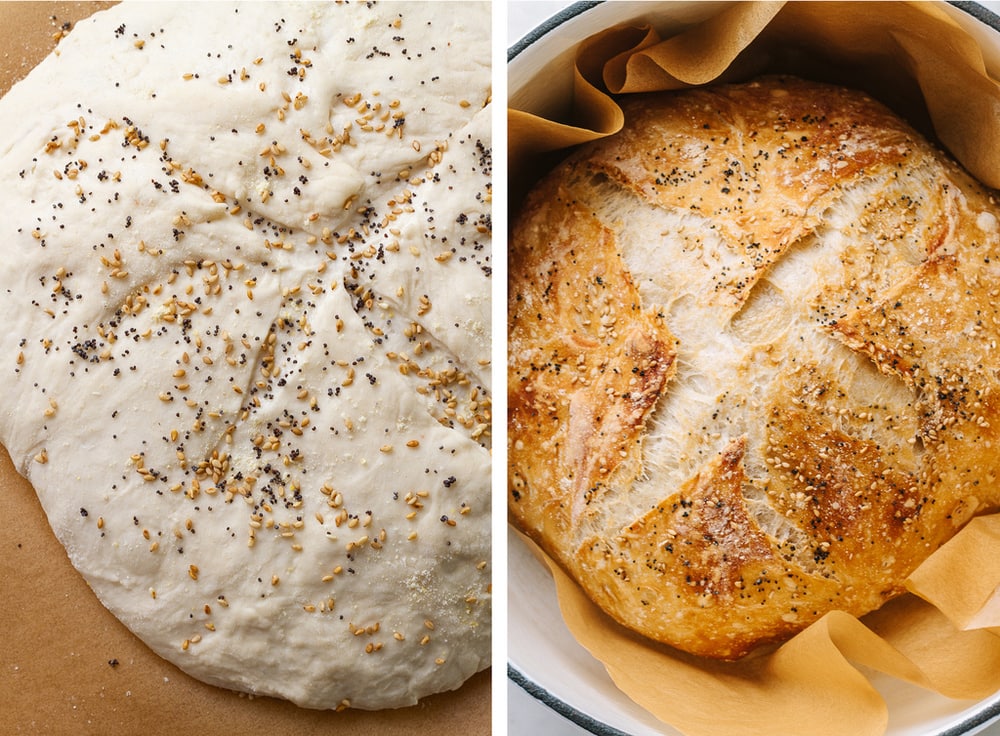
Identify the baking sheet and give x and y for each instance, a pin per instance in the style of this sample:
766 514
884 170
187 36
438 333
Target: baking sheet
67 666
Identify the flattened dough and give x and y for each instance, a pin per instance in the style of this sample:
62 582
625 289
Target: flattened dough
246 271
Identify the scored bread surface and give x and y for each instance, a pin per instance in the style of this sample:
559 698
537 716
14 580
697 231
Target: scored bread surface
246 290
751 375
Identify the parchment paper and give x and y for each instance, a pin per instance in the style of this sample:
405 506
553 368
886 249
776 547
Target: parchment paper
67 666
943 636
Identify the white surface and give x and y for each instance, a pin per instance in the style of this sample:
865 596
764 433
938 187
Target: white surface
526 715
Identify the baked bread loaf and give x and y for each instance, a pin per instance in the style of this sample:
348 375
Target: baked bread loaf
752 361
246 294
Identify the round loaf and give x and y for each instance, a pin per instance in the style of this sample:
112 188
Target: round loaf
751 373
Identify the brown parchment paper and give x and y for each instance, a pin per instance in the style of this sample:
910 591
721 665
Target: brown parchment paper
67 666
943 636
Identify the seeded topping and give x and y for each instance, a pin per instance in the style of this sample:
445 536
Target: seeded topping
751 375
247 276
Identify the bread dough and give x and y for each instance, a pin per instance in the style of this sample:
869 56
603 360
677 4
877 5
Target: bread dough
247 355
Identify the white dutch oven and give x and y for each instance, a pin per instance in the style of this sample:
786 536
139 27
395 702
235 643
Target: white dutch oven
543 658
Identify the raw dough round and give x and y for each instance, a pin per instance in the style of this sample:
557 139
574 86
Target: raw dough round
246 278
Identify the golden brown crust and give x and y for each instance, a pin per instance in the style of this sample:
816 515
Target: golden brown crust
750 374
593 318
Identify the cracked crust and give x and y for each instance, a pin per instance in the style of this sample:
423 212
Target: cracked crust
749 370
